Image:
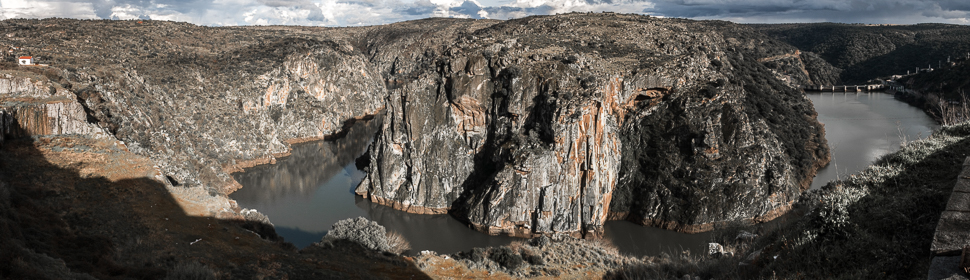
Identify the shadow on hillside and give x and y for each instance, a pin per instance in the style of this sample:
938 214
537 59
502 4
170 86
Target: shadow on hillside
58 221
884 234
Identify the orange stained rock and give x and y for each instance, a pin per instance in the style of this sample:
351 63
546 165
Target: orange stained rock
468 114
654 96
268 97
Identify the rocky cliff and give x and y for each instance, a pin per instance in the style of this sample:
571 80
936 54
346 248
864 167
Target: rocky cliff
555 124
523 127
200 102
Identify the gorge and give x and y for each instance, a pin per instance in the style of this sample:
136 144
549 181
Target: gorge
305 193
540 126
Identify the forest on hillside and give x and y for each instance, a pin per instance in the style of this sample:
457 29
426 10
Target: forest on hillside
865 52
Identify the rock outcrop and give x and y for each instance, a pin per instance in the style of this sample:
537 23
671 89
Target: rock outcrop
531 126
555 124
32 105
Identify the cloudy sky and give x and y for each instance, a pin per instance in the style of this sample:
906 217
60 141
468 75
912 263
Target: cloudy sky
372 12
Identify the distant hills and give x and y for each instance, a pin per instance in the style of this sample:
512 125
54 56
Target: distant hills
864 52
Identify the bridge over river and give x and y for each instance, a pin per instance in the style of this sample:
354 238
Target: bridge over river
846 88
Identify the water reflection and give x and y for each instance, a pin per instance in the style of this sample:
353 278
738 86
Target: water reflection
439 233
308 191
304 194
634 239
861 127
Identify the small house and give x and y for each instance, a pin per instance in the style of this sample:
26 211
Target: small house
26 60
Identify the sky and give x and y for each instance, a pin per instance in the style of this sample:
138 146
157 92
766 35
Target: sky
375 12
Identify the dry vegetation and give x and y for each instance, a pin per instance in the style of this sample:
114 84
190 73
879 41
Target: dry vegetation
876 224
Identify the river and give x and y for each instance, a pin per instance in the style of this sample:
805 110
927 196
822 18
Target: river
305 193
861 127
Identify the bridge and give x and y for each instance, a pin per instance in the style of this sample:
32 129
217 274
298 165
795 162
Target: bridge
846 88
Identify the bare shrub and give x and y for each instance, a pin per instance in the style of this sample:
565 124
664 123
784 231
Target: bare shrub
951 112
397 243
604 243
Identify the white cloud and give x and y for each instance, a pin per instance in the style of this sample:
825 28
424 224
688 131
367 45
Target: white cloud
372 12
45 9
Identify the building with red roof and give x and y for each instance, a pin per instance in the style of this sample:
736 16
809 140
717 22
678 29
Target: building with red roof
26 60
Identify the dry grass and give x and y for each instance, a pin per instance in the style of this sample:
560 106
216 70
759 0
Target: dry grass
605 243
191 271
397 243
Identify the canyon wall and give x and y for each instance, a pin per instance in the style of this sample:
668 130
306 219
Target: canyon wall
549 124
199 102
555 124
31 105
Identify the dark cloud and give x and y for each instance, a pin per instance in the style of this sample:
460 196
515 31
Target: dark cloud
468 8
956 5
871 11
416 10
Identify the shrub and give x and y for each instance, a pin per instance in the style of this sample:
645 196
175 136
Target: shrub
540 241
397 243
506 257
533 257
191 271
362 231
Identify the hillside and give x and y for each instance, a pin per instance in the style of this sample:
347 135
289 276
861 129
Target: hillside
546 125
865 52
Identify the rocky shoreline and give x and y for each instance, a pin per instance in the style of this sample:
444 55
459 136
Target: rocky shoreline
523 127
532 133
546 125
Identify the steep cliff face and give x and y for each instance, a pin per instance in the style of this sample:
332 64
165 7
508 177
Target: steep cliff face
306 90
738 151
523 127
199 102
32 105
550 124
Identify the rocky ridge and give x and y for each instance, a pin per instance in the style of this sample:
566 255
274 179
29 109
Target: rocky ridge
555 124
200 102
523 127
857 53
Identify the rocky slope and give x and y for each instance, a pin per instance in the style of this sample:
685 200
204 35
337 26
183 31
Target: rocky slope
200 102
530 126
555 124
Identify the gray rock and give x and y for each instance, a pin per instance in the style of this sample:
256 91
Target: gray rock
516 132
539 125
717 250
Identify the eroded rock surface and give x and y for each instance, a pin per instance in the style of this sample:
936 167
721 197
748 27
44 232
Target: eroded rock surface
554 124
200 102
538 125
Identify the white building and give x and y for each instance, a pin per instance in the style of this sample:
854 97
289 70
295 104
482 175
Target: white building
26 60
